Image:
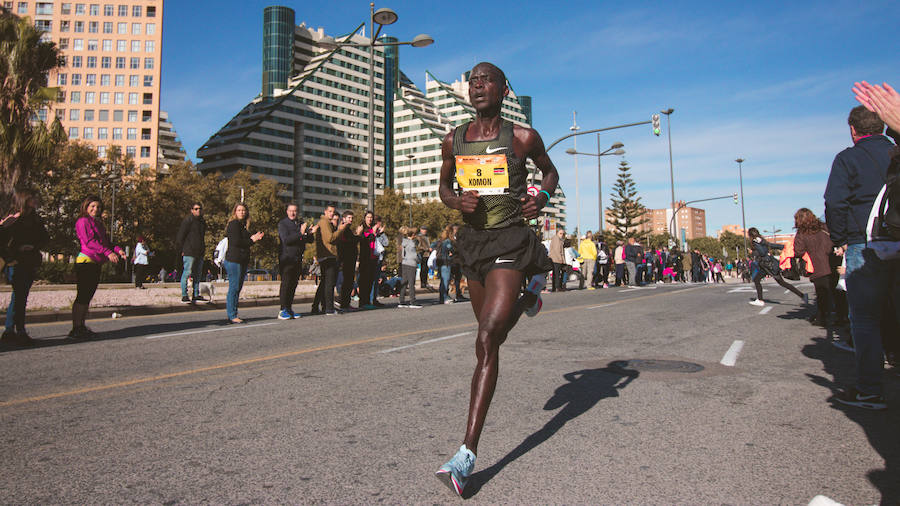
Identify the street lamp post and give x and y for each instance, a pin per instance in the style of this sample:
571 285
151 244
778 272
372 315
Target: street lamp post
743 219
618 151
574 128
410 157
668 112
382 17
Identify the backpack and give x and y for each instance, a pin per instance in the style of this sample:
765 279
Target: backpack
221 248
443 252
883 227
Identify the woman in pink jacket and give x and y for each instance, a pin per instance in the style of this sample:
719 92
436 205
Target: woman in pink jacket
95 251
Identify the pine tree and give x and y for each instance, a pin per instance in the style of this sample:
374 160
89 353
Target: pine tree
626 214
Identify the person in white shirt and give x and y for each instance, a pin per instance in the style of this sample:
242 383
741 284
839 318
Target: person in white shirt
141 262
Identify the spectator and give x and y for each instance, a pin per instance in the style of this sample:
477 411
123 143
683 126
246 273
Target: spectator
444 259
573 263
602 269
587 249
292 239
95 250
409 258
348 252
190 240
378 248
857 175
141 262
557 255
367 261
423 249
162 275
619 259
237 257
326 255
23 236
812 238
632 258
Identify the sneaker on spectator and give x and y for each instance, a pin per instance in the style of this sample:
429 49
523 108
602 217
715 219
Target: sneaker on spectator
296 316
185 300
284 314
853 397
757 302
455 473
414 306
401 306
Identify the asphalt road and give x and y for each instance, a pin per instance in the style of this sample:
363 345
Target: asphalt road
363 408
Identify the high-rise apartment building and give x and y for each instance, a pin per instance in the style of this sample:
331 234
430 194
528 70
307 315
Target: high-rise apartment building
690 223
308 127
171 151
110 80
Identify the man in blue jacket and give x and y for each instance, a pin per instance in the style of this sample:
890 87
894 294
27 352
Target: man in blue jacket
857 176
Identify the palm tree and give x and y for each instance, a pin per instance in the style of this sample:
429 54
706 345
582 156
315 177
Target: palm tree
25 62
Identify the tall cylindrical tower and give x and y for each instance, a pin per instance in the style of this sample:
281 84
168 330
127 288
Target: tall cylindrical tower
525 102
278 47
391 83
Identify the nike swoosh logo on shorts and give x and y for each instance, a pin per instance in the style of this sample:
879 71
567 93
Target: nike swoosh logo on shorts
504 260
489 150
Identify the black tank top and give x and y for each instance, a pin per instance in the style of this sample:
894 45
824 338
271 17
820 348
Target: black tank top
492 168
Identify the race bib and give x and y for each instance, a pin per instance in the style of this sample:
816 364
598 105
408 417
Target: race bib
486 174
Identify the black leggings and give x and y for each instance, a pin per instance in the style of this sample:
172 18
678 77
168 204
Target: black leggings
778 279
87 276
824 297
290 275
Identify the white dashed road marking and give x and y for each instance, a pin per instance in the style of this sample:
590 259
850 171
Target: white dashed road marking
217 329
731 355
424 342
765 310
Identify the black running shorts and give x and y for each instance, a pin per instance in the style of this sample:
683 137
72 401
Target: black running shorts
515 247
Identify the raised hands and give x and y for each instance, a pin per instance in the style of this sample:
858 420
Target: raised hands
882 99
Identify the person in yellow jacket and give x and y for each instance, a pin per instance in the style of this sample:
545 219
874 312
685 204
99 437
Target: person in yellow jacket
588 251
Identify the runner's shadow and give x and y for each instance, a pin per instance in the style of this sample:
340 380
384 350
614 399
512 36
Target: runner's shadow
880 426
584 389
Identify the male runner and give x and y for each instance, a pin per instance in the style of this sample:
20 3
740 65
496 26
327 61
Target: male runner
486 157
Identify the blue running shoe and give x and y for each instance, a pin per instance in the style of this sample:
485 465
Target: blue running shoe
296 315
455 473
285 315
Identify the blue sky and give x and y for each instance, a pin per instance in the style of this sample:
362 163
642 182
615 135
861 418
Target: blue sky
766 81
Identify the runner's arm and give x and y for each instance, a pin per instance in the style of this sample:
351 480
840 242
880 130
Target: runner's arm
534 148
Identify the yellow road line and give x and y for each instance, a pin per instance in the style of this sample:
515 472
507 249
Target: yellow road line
267 358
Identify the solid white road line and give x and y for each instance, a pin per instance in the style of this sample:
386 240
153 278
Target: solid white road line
765 310
602 305
424 342
217 329
731 355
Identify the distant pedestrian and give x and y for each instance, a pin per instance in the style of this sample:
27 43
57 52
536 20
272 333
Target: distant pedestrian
768 265
423 250
237 257
141 261
293 237
557 254
95 251
587 249
23 236
347 253
190 240
619 262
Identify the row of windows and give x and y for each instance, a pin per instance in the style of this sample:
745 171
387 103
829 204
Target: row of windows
419 184
268 144
333 143
103 116
102 97
334 180
334 156
133 80
425 159
407 140
66 26
106 62
122 46
46 8
356 171
345 87
333 192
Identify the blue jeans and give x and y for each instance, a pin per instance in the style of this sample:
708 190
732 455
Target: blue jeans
236 274
870 281
192 267
21 279
445 282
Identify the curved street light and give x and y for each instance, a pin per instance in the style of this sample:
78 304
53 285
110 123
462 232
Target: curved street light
382 17
615 149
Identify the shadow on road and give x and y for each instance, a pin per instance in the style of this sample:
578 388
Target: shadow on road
135 331
798 313
584 389
881 427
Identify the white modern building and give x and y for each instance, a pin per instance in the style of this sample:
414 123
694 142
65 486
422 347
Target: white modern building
308 127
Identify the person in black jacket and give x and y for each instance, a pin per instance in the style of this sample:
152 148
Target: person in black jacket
857 175
23 235
190 240
768 265
293 237
237 257
347 253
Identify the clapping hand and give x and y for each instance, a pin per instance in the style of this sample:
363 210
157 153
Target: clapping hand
883 100
257 236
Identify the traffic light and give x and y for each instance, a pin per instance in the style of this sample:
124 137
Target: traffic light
655 120
735 198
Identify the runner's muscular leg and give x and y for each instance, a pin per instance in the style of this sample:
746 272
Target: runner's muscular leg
494 304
